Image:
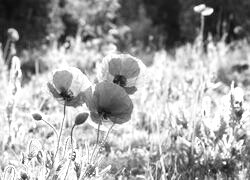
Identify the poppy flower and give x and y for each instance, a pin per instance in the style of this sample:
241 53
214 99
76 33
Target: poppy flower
122 69
109 104
69 85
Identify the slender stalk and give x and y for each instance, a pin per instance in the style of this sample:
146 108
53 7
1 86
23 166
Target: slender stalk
104 141
106 137
71 137
65 147
52 127
61 129
72 146
67 169
97 140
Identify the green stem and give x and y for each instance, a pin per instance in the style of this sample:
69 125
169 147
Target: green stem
67 169
97 140
106 137
61 129
52 127
65 147
71 137
72 146
104 141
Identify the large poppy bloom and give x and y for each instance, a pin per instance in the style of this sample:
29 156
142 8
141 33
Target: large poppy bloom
109 104
69 86
122 69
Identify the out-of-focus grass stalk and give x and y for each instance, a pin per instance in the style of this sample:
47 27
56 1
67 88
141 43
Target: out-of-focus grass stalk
160 150
198 96
6 48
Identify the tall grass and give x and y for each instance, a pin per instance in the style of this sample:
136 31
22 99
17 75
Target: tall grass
181 126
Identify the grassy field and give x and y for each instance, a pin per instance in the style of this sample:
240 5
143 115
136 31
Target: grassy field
189 120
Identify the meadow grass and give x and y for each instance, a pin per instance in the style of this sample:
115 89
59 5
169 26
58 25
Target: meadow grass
184 124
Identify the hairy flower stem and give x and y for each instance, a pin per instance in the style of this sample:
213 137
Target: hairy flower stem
106 137
65 148
71 137
97 140
72 146
52 127
61 129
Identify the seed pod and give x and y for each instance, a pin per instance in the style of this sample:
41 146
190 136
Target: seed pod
81 118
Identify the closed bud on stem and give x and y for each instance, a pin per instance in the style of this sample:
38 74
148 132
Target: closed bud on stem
37 116
81 118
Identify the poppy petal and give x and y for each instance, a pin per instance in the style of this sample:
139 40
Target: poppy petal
115 66
130 66
53 91
62 80
80 81
130 90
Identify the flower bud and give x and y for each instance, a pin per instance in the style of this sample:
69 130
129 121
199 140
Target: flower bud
81 118
37 116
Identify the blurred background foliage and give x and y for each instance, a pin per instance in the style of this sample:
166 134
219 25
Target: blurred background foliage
161 22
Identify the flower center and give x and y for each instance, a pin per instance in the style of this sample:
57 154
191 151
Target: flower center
67 95
104 114
120 80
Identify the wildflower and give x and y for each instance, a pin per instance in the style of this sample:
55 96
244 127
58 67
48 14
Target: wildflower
207 11
203 10
13 35
122 69
69 86
109 103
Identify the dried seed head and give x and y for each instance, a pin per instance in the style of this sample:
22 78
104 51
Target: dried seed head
37 116
81 118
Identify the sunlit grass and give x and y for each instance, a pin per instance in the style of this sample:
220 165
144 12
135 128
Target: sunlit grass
169 135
